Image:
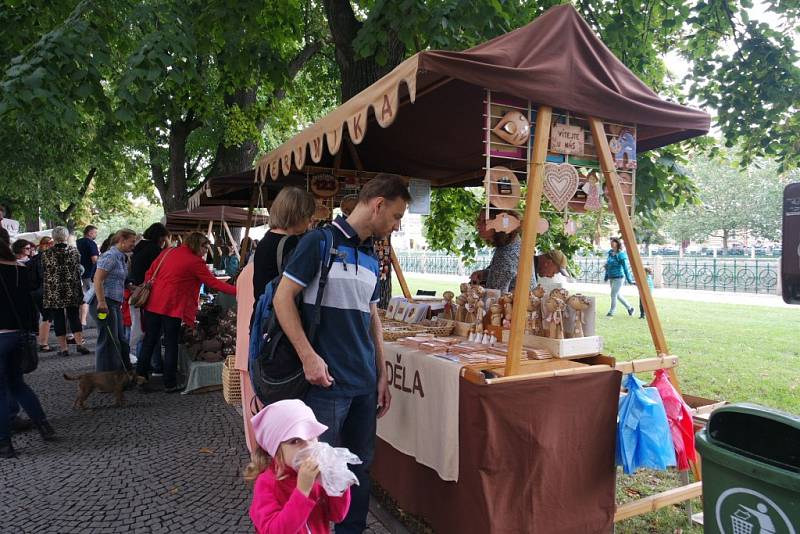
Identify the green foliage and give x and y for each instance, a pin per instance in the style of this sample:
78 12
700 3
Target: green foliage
753 89
732 200
451 223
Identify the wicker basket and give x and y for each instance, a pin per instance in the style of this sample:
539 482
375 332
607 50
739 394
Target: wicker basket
438 328
231 382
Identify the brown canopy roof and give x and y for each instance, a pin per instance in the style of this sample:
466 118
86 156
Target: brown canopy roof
182 220
556 60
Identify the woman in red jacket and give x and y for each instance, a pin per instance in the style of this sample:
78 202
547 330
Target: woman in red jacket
177 274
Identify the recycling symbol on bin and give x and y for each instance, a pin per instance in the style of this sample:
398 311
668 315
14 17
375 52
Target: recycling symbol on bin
746 511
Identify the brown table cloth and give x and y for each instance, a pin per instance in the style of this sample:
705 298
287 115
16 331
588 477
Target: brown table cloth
536 456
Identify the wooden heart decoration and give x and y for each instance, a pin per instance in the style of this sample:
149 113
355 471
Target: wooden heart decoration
560 184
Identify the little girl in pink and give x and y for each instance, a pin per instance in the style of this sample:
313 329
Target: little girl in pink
286 501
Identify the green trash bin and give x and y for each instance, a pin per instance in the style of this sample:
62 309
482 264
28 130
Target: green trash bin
751 471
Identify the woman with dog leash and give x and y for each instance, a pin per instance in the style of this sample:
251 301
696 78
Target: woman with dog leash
17 319
109 286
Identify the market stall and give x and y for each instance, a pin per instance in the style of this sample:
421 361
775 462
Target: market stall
532 446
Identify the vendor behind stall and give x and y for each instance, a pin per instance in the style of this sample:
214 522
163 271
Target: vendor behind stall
550 267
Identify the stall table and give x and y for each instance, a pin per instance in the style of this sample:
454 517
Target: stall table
538 453
199 375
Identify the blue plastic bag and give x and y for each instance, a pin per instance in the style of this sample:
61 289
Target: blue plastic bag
643 434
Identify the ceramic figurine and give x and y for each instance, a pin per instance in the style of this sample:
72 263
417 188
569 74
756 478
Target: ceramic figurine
592 190
559 294
480 312
580 304
496 311
447 313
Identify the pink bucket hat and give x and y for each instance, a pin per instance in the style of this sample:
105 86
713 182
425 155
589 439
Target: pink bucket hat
282 421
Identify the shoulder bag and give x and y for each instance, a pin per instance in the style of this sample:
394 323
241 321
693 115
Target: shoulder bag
141 294
28 350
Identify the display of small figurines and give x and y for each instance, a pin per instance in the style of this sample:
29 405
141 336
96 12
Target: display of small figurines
507 310
580 304
448 312
496 315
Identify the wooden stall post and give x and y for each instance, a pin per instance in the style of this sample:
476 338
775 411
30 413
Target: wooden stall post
246 243
533 202
209 235
230 236
399 272
624 220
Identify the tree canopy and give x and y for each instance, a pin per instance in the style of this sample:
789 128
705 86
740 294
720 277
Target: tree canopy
133 95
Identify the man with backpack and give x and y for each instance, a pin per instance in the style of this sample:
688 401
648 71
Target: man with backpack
344 362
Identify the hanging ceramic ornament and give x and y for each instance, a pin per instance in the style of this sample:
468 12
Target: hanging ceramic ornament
502 188
504 222
542 225
592 190
560 184
570 227
513 128
623 146
324 185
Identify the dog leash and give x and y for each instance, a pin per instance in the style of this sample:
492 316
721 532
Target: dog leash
116 345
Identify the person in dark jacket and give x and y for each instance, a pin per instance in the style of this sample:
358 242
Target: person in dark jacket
37 271
17 317
289 215
153 241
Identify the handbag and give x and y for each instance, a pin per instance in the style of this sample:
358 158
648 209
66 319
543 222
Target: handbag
277 372
28 349
141 294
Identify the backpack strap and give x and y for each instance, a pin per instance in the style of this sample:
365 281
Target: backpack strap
325 267
281 244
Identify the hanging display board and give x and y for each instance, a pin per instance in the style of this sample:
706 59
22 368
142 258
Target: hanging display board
420 196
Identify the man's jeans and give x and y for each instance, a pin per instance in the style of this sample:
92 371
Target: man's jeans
351 423
616 286
113 352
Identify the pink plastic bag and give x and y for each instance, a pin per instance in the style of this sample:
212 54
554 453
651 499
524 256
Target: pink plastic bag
680 420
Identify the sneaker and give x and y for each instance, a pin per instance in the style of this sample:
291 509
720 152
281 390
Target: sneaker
45 348
173 389
82 349
609 314
630 311
71 341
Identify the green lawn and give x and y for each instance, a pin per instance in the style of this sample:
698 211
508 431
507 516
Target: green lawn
727 352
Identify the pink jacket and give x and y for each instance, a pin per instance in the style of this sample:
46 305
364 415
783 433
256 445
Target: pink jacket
279 508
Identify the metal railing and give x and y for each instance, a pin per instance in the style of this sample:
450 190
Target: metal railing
709 274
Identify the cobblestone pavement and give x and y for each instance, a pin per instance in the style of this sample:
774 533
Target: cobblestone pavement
160 463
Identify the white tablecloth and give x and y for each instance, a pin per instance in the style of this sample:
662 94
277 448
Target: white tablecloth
423 419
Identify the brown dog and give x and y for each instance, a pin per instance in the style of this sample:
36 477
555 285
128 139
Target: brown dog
106 381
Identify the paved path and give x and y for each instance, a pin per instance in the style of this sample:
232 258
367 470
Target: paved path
162 463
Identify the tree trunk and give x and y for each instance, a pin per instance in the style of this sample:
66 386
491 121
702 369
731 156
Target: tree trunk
171 184
725 237
237 158
357 73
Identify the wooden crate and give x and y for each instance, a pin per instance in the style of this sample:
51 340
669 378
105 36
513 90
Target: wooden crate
577 347
231 382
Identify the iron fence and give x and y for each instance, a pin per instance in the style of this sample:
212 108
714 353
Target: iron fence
710 274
